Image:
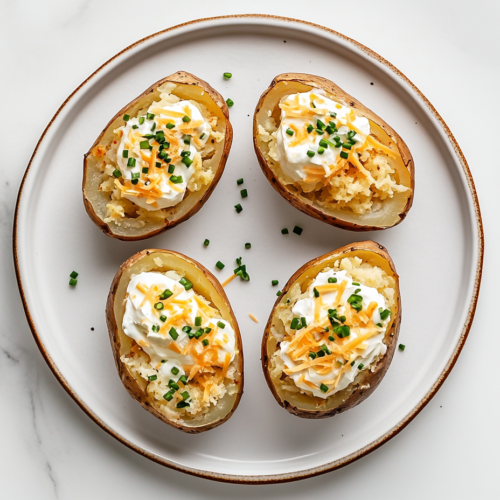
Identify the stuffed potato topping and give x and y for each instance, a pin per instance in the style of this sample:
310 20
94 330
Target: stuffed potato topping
159 158
175 339
330 156
332 333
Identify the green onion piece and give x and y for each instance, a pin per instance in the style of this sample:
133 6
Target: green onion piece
152 377
168 396
351 134
183 379
186 283
186 139
313 105
319 131
126 118
205 342
176 179
170 126
320 124
73 281
278 293
238 261
155 328
171 169
175 370
321 151
361 366
303 322
144 145
274 282
379 325
289 131
356 283
316 293
186 329
220 324
333 114
239 182
173 333
220 265
342 318
229 102
153 127
401 347
346 145
197 321
208 329
186 153
159 306
332 280
150 116
125 153
284 231
244 193
331 130
344 154
186 119
163 318
141 120
227 76
160 136
310 128
385 314
145 170
313 355
331 338
117 173
238 208
73 274
297 230
323 143
310 153
320 354
166 294
248 246
182 404
185 395
131 162
294 324
324 388
206 243
135 175
352 362
187 161
173 385
202 135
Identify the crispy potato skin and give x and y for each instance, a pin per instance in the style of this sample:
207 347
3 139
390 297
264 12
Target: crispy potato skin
179 78
347 100
116 336
372 379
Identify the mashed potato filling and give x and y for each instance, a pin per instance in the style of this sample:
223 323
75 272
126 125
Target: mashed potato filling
335 329
182 347
330 153
157 158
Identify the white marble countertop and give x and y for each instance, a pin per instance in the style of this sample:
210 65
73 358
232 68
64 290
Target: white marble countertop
50 448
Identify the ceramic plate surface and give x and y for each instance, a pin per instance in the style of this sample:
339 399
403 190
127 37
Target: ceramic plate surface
438 247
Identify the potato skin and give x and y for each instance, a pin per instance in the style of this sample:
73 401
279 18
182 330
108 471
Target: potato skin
364 386
134 385
289 193
179 78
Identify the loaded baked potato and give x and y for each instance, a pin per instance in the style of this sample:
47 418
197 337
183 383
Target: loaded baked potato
175 340
330 156
331 335
159 159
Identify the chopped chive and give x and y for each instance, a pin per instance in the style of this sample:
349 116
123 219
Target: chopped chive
173 333
163 318
182 404
344 154
204 342
332 280
159 306
153 127
244 193
331 338
168 396
186 119
73 274
316 293
187 161
184 395
274 282
313 105
73 281
176 179
342 318
331 130
186 153
227 76
170 126
175 370
125 153
321 151
239 182
351 134
294 324
150 116
310 128
238 208
356 283
310 153
352 362
248 246
145 170
333 114
320 124
186 329
152 377
202 135
183 379
384 314
117 173
186 139
379 325
155 328
166 294
186 283
206 243
220 324
173 385
131 162
313 355
171 169
297 230
220 265
346 145
126 118
361 366
289 131
144 145
197 321
141 120
324 388
401 347
229 102
278 293
303 322
284 230
319 131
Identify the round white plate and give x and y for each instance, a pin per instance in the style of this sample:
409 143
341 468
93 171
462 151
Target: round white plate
437 249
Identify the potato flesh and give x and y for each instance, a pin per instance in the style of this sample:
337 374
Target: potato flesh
387 216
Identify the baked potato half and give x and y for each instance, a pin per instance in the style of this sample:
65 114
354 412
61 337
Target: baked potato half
331 335
158 160
330 156
175 340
